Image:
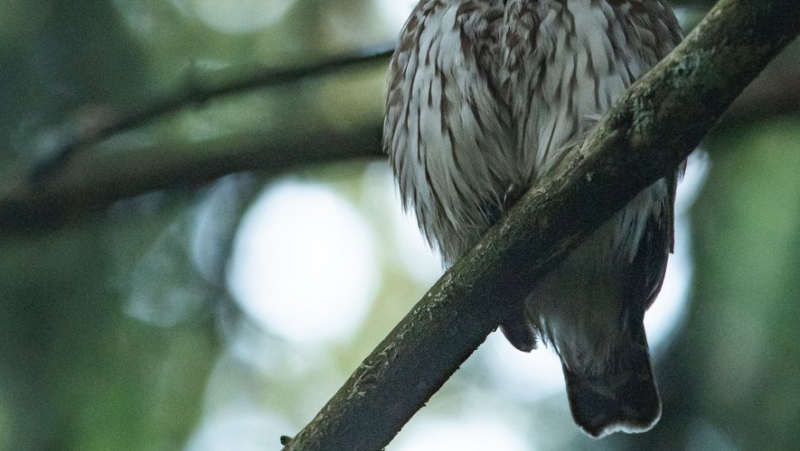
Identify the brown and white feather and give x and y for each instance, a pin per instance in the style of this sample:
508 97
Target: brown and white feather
485 96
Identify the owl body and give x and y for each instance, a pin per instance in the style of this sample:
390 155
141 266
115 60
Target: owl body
485 98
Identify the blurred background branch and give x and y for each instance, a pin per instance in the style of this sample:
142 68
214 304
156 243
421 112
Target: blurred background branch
75 178
199 88
92 181
72 180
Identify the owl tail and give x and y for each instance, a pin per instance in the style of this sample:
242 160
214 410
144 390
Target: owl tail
622 398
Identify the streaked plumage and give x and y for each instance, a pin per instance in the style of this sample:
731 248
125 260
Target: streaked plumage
484 96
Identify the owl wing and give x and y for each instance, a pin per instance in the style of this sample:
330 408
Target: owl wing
647 271
446 126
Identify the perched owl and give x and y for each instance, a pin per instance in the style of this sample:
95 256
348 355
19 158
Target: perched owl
484 98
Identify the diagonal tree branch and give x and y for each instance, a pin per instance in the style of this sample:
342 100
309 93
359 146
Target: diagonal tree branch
643 138
199 91
74 180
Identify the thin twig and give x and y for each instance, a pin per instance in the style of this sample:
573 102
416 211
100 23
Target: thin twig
198 92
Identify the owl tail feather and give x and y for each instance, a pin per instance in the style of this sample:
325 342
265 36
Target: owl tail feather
624 398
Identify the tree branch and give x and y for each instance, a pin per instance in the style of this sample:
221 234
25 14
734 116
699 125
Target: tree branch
78 182
200 91
643 138
775 92
74 181
93 181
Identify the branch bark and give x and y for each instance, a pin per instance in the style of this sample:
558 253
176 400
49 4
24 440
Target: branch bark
91 182
644 137
199 91
76 179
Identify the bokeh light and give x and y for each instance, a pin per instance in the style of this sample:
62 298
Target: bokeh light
395 12
236 16
304 263
480 431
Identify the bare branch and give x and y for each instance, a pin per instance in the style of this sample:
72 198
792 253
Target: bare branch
645 137
199 91
75 182
92 182
87 181
775 92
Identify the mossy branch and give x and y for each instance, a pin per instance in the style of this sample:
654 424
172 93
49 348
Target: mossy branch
643 138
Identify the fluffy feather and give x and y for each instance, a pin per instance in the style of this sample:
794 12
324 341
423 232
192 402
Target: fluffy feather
483 97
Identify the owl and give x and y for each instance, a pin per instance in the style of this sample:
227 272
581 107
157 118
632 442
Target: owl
485 98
